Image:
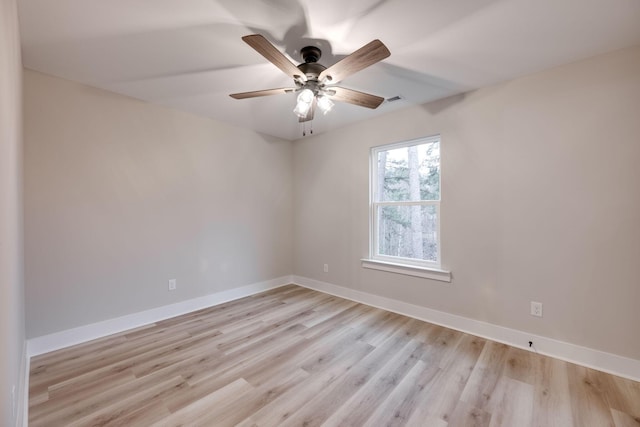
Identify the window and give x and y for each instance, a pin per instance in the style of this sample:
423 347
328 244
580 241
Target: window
405 203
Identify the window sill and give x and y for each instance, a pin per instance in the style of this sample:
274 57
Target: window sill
409 270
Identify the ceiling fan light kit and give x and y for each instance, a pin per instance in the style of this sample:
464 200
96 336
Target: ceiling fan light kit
324 104
313 81
305 100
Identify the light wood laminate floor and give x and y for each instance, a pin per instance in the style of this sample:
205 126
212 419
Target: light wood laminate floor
297 357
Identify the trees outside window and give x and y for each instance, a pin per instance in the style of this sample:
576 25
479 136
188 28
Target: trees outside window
405 202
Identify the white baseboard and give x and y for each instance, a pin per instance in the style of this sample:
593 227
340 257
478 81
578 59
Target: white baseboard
596 359
58 340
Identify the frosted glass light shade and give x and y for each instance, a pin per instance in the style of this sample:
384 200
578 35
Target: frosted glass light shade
302 108
325 104
305 99
306 96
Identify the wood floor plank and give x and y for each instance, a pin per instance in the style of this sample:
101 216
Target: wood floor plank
487 371
401 403
115 411
100 405
191 414
293 356
514 405
467 415
332 397
552 399
424 413
77 396
622 419
240 409
107 362
443 397
357 410
588 402
277 412
622 395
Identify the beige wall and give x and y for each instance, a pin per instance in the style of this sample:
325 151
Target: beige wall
541 201
12 331
121 196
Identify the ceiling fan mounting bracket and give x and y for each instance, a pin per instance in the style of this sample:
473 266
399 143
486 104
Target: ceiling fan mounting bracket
310 54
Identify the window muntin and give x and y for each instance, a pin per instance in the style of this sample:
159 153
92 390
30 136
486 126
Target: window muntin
405 207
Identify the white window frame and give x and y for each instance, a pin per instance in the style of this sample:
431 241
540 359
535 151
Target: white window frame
402 265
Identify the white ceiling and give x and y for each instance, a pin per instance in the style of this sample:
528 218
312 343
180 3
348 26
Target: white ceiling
188 55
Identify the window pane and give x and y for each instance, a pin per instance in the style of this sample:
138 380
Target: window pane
408 232
409 173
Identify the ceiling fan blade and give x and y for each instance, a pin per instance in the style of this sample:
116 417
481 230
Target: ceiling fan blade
265 92
273 55
367 55
354 97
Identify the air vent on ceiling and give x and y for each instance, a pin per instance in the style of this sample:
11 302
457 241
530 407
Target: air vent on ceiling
394 98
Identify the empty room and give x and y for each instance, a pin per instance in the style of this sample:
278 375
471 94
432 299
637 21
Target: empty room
295 213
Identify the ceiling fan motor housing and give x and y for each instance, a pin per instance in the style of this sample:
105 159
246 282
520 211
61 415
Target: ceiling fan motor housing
310 67
310 53
311 70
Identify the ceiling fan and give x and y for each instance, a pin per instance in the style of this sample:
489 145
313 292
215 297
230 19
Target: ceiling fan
314 81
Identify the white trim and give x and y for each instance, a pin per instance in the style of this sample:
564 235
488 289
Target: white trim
58 340
409 270
409 203
591 358
22 410
373 204
415 141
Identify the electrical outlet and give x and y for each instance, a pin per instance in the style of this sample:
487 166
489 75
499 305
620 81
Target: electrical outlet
326 268
536 309
172 284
